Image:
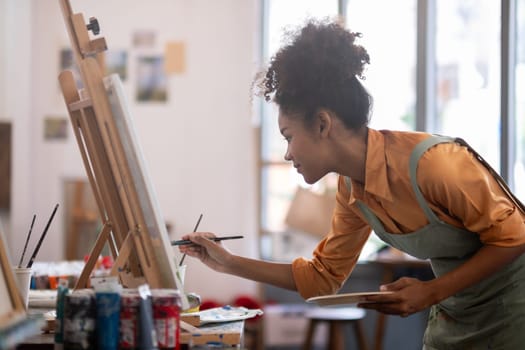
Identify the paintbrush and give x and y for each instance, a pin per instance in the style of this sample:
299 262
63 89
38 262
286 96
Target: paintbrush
194 230
35 252
215 239
27 240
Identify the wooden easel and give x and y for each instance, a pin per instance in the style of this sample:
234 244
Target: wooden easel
124 226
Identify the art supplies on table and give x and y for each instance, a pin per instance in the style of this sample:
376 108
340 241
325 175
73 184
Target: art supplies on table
223 314
149 318
79 322
61 293
147 334
166 315
221 325
107 294
129 319
215 334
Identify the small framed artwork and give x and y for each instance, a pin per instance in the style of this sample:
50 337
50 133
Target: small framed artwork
175 57
55 128
116 62
151 79
144 38
67 62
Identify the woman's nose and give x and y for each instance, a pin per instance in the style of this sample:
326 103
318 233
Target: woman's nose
287 156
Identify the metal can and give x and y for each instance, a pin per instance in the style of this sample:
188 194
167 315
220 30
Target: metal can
80 320
129 319
108 315
166 317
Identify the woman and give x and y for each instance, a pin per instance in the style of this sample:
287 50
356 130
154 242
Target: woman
428 196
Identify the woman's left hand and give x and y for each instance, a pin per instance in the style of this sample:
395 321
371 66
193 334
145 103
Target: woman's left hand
409 295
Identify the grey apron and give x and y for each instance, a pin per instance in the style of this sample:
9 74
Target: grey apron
487 315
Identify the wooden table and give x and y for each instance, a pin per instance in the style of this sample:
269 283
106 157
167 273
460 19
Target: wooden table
229 334
44 341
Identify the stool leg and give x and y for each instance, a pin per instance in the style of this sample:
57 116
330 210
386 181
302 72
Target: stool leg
309 335
380 331
361 338
335 336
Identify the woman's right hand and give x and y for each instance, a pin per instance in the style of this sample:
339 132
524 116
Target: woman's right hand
213 254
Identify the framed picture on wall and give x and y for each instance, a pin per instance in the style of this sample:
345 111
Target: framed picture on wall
117 62
55 128
67 62
151 79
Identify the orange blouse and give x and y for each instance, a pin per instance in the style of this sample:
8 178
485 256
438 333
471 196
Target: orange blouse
456 186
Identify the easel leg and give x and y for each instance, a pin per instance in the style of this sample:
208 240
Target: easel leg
123 255
93 257
118 269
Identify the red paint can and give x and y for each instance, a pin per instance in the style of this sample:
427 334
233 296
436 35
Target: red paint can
166 317
129 319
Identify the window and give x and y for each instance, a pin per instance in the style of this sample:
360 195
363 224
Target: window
391 43
462 71
278 178
519 110
468 73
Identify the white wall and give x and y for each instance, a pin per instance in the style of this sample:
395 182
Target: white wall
199 147
4 214
17 108
3 40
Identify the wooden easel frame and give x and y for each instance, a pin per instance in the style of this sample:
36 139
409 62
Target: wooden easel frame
13 308
140 255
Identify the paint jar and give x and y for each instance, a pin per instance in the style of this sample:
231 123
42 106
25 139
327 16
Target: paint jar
166 305
129 319
108 314
80 314
23 281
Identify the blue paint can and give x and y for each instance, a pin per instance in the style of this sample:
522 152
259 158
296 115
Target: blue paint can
108 314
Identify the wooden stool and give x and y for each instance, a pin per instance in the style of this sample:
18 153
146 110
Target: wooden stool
336 319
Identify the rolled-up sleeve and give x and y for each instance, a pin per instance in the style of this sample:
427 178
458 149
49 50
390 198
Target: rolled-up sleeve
336 255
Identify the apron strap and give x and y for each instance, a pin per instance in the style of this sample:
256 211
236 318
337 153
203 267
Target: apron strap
418 151
423 146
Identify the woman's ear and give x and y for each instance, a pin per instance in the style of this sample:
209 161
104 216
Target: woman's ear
324 120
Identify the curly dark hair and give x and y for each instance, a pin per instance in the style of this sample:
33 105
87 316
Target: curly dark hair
318 67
